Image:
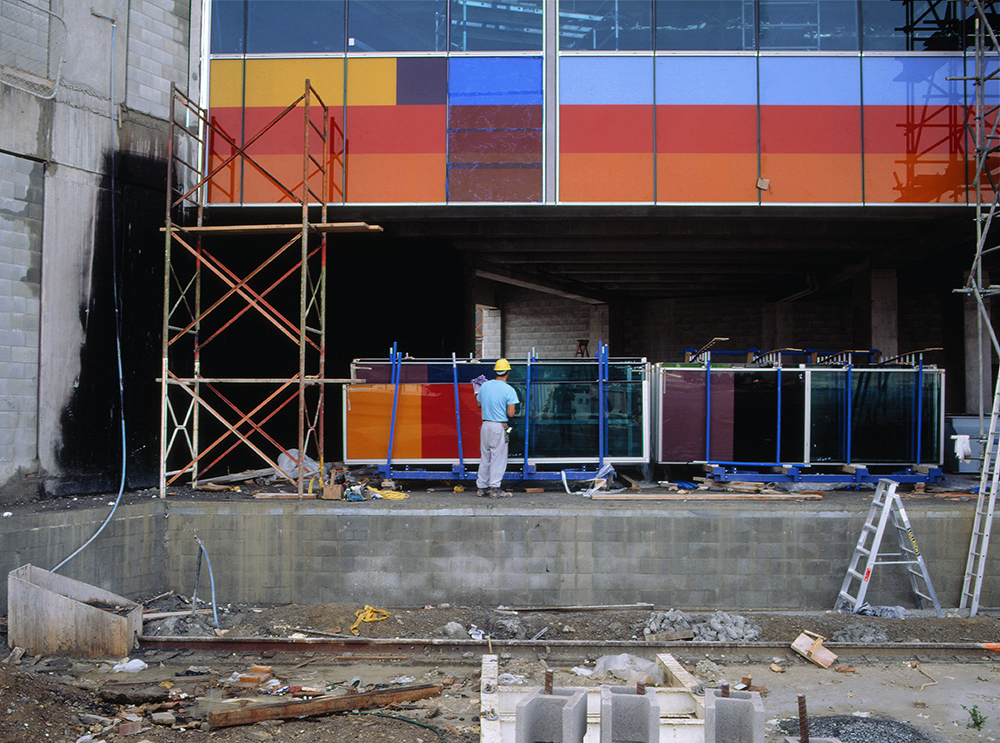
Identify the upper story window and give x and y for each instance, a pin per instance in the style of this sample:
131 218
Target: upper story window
809 25
397 26
712 25
919 25
277 26
496 25
606 25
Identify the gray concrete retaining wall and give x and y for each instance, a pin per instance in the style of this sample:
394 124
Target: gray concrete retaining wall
454 548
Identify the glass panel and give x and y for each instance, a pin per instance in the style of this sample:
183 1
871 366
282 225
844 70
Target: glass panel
755 419
496 25
889 25
711 25
295 26
397 25
228 26
809 25
613 25
885 425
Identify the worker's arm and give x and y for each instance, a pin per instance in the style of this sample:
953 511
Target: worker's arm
510 409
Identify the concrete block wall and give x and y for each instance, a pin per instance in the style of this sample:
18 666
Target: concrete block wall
550 325
159 49
21 214
686 555
127 558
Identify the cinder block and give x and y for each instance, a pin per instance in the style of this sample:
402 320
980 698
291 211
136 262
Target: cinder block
629 716
559 717
738 718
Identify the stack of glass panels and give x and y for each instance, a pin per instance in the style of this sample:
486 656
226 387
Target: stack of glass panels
567 423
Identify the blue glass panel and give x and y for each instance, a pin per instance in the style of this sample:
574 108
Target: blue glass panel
708 25
613 25
228 26
295 26
496 25
809 25
397 25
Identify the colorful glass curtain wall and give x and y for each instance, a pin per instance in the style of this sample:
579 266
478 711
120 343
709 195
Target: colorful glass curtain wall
441 101
799 415
562 425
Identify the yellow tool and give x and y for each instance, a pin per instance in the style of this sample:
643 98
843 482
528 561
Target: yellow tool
368 614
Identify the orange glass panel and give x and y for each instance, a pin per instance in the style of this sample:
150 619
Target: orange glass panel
814 178
606 177
400 178
922 179
706 178
368 420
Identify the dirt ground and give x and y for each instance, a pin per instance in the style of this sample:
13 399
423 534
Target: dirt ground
47 698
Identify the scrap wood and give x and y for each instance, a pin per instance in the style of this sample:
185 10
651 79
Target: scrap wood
603 607
810 646
165 614
220 718
284 496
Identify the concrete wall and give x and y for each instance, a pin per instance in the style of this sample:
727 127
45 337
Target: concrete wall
118 62
415 552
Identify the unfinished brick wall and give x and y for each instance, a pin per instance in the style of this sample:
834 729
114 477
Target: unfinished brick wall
550 325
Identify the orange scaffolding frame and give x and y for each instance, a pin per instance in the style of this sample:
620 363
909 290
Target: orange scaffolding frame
204 295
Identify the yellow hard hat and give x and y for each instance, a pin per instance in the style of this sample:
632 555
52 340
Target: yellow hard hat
502 365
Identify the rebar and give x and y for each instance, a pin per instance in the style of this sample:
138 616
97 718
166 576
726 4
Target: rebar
803 720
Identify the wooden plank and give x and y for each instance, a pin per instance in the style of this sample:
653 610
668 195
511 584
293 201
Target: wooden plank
320 706
707 496
602 607
810 646
165 614
272 229
284 496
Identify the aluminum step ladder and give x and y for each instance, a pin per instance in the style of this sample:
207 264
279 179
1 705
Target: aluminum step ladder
887 508
975 566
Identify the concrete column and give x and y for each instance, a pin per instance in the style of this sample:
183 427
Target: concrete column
876 311
559 717
777 322
978 385
737 718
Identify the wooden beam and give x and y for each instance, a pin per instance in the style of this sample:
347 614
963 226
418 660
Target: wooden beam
221 718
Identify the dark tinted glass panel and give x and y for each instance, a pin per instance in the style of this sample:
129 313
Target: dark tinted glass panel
889 421
809 25
711 25
758 408
397 25
295 26
496 25
228 26
890 25
613 25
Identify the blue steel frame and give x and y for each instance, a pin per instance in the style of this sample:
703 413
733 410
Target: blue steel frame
528 471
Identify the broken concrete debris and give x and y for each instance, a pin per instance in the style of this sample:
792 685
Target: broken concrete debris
719 627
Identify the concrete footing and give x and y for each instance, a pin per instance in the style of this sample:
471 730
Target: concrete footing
737 718
628 715
559 717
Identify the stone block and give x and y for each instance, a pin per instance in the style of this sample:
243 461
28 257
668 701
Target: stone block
559 717
627 715
738 718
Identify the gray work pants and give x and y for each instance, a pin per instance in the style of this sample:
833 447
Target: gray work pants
492 454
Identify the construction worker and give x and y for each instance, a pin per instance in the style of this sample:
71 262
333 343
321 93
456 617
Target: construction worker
497 399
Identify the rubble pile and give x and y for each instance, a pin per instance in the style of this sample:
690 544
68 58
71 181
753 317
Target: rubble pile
861 633
719 627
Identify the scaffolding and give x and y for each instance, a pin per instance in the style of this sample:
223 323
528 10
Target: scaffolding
982 131
214 275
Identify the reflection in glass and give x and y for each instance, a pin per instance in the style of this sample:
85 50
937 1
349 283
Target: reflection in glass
496 25
295 26
612 25
397 25
809 25
889 25
710 25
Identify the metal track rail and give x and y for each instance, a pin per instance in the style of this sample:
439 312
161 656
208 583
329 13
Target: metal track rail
572 650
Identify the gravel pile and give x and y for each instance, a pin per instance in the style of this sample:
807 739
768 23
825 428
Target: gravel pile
861 633
851 729
719 627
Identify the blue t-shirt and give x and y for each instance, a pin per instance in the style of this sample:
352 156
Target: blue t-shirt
494 397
